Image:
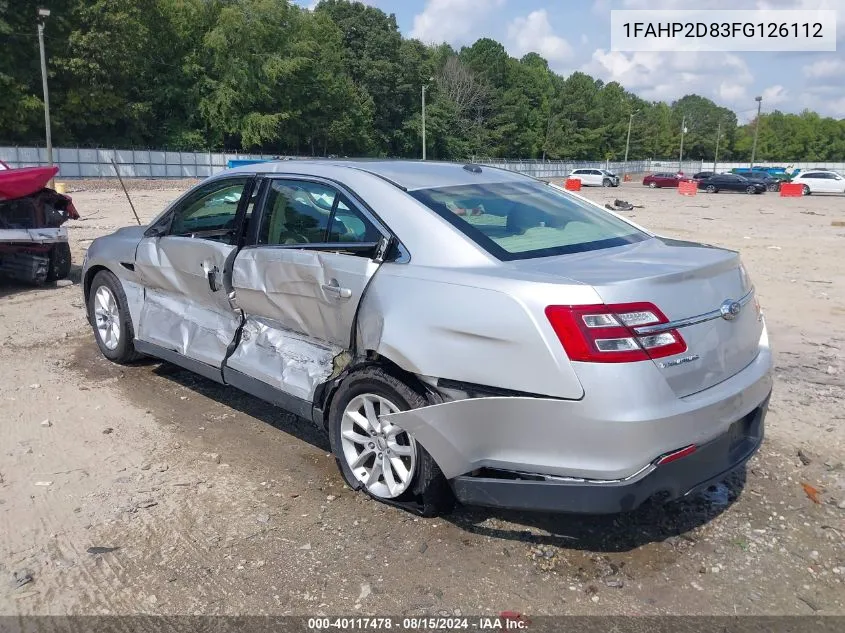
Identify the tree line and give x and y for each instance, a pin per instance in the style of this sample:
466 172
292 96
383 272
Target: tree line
270 76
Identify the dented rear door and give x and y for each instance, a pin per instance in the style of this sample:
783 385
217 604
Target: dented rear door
299 285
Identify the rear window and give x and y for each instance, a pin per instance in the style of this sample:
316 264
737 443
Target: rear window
526 220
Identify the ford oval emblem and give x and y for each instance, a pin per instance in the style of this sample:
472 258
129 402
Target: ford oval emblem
730 309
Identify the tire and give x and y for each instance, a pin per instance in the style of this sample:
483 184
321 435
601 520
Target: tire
772 187
652 185
425 489
750 190
115 345
60 260
606 182
711 189
806 190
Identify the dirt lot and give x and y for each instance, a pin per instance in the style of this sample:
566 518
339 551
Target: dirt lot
213 502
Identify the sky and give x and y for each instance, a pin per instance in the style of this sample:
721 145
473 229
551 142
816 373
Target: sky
575 35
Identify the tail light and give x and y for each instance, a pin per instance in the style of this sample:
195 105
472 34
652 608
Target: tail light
606 333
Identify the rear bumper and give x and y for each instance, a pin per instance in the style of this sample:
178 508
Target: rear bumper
709 464
627 418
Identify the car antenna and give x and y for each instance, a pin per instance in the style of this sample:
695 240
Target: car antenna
125 191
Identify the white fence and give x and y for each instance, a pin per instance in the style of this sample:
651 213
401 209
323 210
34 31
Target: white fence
96 163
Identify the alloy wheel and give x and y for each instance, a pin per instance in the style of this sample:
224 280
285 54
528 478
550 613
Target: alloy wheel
382 456
107 317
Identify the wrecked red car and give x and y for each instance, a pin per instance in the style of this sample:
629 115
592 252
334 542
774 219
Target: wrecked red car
33 244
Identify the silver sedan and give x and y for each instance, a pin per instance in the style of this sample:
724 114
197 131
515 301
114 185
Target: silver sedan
460 332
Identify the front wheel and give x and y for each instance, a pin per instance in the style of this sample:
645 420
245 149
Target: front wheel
772 187
380 457
711 189
605 182
750 190
109 317
652 185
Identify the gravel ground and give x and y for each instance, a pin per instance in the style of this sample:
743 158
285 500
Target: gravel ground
146 489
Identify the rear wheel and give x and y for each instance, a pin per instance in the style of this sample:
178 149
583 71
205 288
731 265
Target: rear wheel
711 189
60 260
379 457
109 317
806 190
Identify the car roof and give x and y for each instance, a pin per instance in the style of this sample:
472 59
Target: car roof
406 174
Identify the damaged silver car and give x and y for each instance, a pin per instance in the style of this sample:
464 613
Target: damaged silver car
461 332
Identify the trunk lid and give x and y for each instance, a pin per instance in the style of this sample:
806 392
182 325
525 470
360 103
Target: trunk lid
684 280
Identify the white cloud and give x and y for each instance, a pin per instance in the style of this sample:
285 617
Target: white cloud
825 67
534 33
774 95
668 76
452 21
732 92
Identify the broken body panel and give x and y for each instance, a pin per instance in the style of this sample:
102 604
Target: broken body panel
31 219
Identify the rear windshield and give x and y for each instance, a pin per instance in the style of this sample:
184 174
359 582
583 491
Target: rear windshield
526 220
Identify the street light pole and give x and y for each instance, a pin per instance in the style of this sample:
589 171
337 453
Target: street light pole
759 101
716 155
423 120
628 142
43 14
681 155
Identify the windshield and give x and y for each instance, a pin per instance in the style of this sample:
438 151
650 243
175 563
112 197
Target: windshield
527 220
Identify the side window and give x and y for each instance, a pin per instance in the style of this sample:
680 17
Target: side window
348 225
296 212
210 212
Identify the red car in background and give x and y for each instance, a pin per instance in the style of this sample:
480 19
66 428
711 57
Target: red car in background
662 180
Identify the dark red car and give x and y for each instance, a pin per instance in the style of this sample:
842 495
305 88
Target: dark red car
662 180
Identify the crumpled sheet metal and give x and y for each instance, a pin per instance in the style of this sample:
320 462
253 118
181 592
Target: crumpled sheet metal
36 236
186 327
283 359
173 272
270 281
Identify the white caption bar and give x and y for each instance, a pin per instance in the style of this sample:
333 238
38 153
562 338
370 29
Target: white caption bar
703 30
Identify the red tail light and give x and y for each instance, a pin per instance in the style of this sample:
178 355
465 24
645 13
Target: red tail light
605 333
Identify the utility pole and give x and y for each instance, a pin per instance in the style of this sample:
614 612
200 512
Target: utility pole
716 155
423 120
681 155
628 142
759 101
43 14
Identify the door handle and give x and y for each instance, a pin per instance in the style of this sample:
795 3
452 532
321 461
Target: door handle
211 275
335 290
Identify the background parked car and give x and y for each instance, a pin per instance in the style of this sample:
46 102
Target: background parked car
730 182
819 181
661 180
764 177
702 175
595 178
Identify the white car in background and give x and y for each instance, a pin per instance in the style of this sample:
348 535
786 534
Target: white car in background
818 181
595 177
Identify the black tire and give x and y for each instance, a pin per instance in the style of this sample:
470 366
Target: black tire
606 182
772 187
750 190
806 190
60 261
652 185
124 352
429 493
712 189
